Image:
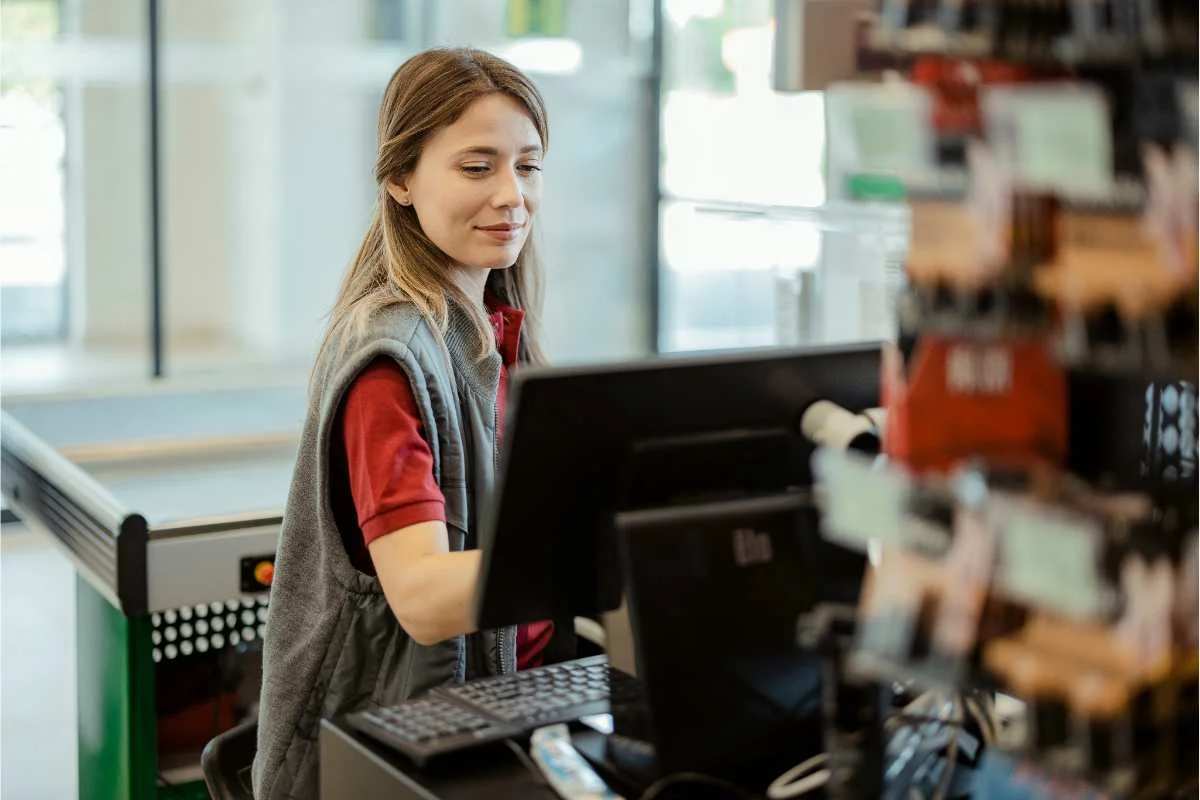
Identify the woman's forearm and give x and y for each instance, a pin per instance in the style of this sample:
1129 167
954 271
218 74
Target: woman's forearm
437 596
429 589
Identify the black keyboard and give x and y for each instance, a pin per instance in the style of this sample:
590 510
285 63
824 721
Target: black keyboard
455 717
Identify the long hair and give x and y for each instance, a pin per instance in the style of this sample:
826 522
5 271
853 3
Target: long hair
396 262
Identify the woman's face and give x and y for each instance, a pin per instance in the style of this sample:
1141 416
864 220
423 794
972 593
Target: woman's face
477 184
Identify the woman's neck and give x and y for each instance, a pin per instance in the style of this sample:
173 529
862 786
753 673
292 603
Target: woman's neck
472 281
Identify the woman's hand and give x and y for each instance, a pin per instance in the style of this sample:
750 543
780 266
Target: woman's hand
429 588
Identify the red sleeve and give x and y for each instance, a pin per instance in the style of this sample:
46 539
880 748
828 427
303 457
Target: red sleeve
389 460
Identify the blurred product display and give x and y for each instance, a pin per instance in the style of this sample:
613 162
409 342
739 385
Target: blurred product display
1032 527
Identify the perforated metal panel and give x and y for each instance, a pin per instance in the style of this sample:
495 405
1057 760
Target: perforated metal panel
203 628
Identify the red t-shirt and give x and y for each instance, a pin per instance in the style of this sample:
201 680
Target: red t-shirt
388 463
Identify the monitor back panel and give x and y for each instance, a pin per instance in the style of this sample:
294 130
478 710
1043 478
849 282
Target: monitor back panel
569 439
715 593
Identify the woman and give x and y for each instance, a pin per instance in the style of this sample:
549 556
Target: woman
376 571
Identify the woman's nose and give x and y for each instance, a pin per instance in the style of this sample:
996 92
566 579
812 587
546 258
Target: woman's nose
508 192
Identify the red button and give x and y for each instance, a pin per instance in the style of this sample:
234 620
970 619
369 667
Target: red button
264 572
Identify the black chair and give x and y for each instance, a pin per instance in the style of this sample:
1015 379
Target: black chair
226 762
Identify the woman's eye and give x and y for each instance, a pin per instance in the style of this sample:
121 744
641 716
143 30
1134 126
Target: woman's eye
475 169
529 169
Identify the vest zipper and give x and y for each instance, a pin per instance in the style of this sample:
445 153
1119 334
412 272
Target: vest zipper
501 633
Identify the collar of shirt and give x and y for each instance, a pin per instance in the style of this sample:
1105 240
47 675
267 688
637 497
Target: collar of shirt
506 324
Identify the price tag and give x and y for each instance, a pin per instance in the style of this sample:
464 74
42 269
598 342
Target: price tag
1053 138
1049 558
880 129
862 503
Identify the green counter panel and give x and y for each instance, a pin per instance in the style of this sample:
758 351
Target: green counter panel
118 757
196 790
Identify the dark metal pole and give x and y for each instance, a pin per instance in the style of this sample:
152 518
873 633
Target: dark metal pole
654 168
156 337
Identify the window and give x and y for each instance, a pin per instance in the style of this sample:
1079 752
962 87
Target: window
266 123
32 150
751 251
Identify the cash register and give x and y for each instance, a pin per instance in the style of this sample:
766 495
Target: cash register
672 499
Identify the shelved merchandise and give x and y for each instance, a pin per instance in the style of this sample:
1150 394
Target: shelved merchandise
1032 529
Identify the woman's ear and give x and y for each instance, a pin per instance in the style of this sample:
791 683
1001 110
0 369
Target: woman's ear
399 191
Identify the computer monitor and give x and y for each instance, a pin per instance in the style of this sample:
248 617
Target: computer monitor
714 593
585 443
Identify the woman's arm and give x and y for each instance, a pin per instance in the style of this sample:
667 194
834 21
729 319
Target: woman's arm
429 588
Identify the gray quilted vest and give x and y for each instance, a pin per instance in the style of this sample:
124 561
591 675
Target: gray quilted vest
332 644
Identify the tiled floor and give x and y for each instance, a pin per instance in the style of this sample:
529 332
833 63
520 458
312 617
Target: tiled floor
37 669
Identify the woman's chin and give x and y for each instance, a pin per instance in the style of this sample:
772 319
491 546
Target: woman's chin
490 257
496 262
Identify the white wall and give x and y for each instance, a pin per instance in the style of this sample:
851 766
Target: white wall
111 276
107 180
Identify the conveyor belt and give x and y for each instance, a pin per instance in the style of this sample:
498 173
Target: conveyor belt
156 497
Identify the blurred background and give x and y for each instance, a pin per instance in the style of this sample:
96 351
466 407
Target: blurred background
684 197
184 184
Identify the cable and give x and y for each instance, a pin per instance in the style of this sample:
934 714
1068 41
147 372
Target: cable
662 784
986 727
800 779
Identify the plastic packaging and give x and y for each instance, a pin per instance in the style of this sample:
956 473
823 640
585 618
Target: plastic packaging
564 768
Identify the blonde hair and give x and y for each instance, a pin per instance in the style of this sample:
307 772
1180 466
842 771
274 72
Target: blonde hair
396 262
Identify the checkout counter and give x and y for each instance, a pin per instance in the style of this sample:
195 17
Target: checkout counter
356 766
168 503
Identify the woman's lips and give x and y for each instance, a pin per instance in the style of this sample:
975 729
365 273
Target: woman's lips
502 233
